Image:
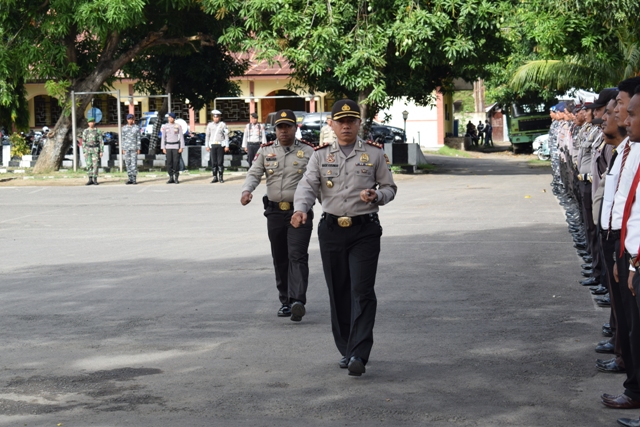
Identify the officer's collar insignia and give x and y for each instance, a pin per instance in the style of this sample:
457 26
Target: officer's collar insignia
346 107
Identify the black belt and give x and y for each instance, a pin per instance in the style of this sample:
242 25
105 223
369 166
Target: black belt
254 143
348 221
282 206
171 143
610 234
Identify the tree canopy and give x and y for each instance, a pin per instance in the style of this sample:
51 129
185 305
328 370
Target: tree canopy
373 51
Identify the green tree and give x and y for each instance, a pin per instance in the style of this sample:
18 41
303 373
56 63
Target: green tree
373 51
81 44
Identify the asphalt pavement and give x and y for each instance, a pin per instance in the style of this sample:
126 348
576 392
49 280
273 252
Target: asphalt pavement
155 305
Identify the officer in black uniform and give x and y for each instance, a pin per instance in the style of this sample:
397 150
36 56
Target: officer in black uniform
284 162
353 178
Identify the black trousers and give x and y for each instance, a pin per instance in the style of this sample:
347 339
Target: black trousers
252 149
350 261
173 161
217 158
290 252
591 231
626 314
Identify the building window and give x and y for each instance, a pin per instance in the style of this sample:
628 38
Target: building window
47 111
233 110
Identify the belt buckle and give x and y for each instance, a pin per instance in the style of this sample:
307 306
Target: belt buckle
344 221
284 206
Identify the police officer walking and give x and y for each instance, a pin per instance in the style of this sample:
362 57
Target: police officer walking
172 145
131 147
327 135
217 143
254 135
352 178
284 162
93 146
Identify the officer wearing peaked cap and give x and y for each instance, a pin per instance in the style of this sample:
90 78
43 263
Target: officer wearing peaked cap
352 178
217 143
284 162
172 144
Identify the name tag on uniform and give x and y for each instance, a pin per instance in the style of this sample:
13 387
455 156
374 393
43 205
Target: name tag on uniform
328 165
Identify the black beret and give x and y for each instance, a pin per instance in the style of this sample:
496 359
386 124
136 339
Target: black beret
345 108
605 96
285 116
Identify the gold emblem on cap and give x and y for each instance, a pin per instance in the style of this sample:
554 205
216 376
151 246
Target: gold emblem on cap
329 184
283 114
346 107
300 154
364 157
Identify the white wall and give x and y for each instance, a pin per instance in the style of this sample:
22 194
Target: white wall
422 122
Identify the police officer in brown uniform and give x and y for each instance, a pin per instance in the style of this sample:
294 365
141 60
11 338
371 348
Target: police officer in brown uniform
284 162
352 178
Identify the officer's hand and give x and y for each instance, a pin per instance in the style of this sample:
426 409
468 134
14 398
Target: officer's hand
138 151
180 150
208 149
164 151
246 198
298 218
630 282
368 195
226 149
615 272
101 154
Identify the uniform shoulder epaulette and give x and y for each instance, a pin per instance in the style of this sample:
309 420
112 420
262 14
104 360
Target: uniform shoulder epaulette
267 144
320 147
375 144
307 143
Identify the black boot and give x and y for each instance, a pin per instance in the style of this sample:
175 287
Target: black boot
215 175
176 178
171 181
133 180
95 180
130 181
90 182
221 178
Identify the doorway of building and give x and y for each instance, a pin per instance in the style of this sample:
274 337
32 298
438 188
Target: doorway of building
272 105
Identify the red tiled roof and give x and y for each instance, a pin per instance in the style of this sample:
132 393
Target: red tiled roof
280 66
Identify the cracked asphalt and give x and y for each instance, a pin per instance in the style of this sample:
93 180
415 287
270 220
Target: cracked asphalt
155 305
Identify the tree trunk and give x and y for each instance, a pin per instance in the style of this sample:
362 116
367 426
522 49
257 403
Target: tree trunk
364 112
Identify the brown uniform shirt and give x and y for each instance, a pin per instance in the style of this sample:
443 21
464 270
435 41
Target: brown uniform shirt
283 169
363 168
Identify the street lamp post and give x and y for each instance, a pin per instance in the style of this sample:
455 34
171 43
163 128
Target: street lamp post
405 114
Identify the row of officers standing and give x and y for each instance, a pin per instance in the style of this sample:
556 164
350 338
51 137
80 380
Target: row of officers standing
595 153
351 178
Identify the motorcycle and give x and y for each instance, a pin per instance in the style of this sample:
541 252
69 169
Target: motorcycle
541 147
235 142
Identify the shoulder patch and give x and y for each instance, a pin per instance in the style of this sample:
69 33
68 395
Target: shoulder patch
320 147
375 144
307 143
267 144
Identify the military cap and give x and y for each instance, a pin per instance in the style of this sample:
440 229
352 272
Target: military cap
254 115
560 107
173 115
605 96
130 116
345 108
91 119
216 112
285 116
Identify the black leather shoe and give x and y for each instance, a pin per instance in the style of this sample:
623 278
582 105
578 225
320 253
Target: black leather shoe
591 281
215 179
176 180
587 258
604 348
606 325
90 182
171 181
611 368
600 290
343 363
129 182
356 367
603 301
607 332
628 422
297 311
603 362
621 402
587 265
285 311
95 180
582 253
586 273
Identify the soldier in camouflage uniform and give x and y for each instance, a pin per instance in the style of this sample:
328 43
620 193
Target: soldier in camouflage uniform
93 147
131 147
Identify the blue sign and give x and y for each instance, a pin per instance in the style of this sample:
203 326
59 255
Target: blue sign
95 113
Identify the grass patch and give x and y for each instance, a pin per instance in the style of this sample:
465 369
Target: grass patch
537 163
82 173
452 152
427 167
